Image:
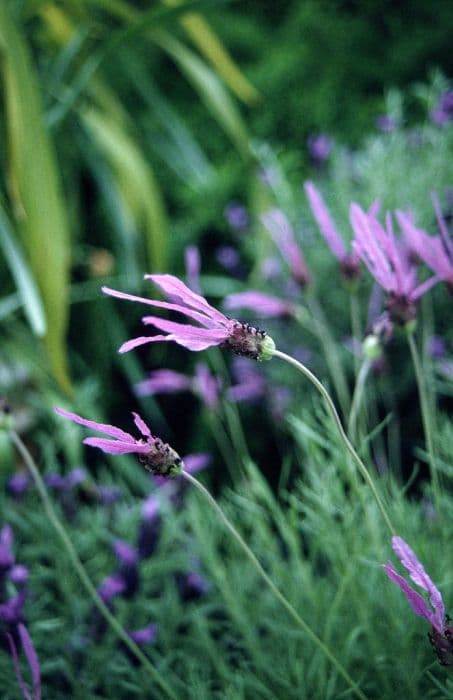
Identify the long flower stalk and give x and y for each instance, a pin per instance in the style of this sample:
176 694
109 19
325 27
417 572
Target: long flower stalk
426 416
347 443
358 396
286 604
79 568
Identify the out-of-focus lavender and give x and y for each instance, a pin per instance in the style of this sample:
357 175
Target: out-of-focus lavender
443 112
237 216
319 148
386 123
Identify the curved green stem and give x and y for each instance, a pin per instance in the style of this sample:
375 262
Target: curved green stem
357 396
426 416
287 605
347 443
79 568
356 326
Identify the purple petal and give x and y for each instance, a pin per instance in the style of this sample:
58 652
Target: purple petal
20 678
150 508
110 587
196 462
192 260
174 288
419 576
18 574
32 658
418 604
146 635
324 221
101 427
163 381
114 447
125 552
280 229
264 304
141 425
142 340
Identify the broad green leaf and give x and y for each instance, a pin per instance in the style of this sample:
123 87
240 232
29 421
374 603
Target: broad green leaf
23 277
136 181
35 189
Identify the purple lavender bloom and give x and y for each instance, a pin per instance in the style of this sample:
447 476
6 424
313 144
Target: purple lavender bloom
32 658
265 305
319 147
251 385
386 123
435 251
436 347
206 386
191 586
216 329
442 633
7 557
55 481
18 574
155 455
283 236
107 495
110 587
237 216
18 484
146 635
443 113
389 263
193 266
228 257
349 262
11 612
163 381
128 557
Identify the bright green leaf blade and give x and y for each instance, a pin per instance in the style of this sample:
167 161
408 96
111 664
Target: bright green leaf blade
35 190
26 286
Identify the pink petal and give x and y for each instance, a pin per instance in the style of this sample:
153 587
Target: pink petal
183 330
260 303
324 221
175 288
142 340
20 678
416 601
114 447
141 425
101 427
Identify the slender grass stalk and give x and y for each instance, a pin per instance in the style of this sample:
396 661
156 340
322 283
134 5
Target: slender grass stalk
79 568
426 417
286 604
356 326
357 397
347 443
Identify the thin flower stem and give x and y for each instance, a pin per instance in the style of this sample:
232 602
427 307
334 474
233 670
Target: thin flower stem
426 416
356 326
357 396
287 605
79 568
347 443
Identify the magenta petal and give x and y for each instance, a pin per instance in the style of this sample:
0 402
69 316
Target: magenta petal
176 289
142 340
419 576
114 447
261 303
163 381
101 427
141 425
416 601
324 221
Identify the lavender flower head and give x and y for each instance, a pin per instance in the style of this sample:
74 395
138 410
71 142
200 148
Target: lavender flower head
388 261
349 262
216 329
441 636
237 216
155 455
192 261
166 381
319 147
443 112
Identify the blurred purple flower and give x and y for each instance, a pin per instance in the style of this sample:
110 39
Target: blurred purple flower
228 257
349 262
149 528
283 236
191 586
128 558
270 268
251 385
319 147
18 484
33 663
206 386
443 113
435 251
442 633
110 587
146 635
386 123
107 495
217 329
18 574
11 612
193 267
154 454
261 304
7 557
436 346
388 261
163 381
237 216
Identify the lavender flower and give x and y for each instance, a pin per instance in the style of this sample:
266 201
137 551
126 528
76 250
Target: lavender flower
128 557
146 635
110 587
260 303
228 257
349 262
11 612
283 235
165 381
155 455
18 574
193 266
443 112
18 484
32 658
216 329
7 557
251 384
389 263
441 636
386 123
319 147
149 528
435 251
237 216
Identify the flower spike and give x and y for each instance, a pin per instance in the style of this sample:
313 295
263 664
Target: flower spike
155 455
216 329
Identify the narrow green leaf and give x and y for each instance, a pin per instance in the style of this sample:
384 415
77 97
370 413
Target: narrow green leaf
23 277
35 189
